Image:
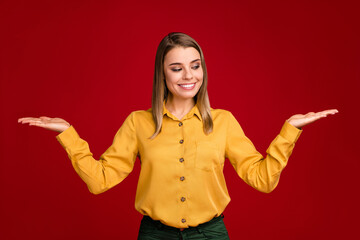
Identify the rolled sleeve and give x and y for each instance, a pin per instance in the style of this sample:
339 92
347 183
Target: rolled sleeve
290 133
68 137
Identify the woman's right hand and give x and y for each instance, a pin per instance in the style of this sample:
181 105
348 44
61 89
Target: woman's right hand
54 124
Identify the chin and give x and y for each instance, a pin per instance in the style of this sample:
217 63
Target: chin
190 94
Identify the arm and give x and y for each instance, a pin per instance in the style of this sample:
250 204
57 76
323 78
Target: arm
114 164
264 173
261 173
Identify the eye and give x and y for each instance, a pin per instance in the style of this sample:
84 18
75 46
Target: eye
176 69
196 67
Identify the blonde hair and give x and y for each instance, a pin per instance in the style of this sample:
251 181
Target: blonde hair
160 91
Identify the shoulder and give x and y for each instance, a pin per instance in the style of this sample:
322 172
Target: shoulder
140 117
220 113
224 117
141 113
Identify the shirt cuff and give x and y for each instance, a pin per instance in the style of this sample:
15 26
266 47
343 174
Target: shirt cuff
68 137
290 133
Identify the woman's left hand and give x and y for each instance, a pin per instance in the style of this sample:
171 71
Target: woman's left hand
300 120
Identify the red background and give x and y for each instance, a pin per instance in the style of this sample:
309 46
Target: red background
91 63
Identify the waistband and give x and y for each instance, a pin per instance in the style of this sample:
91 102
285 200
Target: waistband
160 225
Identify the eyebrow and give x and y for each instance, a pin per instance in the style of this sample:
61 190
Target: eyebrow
181 63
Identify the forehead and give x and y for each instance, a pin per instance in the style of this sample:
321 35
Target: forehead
181 55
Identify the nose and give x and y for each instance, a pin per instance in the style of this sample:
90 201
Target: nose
187 74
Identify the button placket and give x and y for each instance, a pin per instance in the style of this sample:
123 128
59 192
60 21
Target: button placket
181 177
181 141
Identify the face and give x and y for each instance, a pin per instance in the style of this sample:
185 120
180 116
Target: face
183 72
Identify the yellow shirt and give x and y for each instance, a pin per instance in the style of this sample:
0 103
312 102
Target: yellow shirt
181 180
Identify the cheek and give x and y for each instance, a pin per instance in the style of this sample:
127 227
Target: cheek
200 76
169 79
170 76
170 85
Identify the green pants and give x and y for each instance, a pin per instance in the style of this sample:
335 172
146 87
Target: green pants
155 230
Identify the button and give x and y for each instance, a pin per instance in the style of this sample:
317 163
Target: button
181 160
182 178
183 220
183 199
181 141
180 124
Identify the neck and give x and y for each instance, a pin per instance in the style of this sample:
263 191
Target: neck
179 107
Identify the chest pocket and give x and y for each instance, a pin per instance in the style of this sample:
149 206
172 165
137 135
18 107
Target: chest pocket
207 156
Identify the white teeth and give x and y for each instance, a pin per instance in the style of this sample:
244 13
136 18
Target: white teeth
188 85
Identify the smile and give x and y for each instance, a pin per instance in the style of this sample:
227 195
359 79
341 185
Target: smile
187 86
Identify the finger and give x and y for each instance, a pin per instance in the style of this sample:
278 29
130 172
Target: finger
24 118
310 114
25 121
30 120
331 111
315 118
320 114
39 124
328 113
44 117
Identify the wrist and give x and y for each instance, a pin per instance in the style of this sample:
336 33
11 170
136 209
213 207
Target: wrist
293 124
64 128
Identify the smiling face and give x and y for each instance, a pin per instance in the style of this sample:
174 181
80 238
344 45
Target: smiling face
183 72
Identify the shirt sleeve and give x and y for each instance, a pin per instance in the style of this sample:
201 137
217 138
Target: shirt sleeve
114 164
261 173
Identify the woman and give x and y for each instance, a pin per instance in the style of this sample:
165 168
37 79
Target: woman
182 144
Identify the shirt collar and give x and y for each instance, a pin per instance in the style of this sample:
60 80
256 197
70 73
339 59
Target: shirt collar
194 111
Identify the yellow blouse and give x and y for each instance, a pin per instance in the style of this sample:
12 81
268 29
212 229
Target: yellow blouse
181 180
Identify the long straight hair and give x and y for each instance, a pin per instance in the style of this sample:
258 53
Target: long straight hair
160 90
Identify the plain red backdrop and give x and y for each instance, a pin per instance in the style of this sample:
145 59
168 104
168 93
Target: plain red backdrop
91 63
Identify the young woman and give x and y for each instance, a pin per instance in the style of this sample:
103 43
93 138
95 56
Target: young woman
182 144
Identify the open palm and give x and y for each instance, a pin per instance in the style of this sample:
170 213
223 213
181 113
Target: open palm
54 124
300 120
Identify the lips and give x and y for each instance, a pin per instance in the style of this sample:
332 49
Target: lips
188 86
